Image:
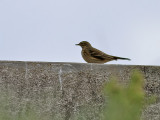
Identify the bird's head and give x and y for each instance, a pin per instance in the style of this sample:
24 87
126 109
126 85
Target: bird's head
84 44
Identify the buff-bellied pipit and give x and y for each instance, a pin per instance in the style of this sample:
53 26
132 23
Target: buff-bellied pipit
93 55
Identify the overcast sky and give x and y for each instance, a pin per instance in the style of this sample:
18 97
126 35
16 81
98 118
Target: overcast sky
47 30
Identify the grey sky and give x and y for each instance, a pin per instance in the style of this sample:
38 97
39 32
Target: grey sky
47 30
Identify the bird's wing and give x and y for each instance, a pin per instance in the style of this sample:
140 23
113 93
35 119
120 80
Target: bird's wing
98 54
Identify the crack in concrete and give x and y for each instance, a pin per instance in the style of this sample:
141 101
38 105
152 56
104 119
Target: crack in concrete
60 79
26 70
91 66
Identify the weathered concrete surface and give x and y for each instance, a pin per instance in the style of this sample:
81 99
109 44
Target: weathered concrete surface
63 91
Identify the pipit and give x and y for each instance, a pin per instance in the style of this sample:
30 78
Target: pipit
93 55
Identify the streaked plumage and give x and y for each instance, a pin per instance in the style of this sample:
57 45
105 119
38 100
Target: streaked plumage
93 55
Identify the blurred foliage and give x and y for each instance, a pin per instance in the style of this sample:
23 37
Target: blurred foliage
125 103
26 112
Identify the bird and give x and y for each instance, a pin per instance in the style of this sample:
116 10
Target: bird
93 55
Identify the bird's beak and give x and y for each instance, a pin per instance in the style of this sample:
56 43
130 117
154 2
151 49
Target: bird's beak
77 44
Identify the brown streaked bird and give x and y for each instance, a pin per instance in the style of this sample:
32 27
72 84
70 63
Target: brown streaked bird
93 55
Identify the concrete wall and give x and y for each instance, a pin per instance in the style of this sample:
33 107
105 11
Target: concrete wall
61 91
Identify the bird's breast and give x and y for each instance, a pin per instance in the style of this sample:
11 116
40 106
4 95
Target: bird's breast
85 55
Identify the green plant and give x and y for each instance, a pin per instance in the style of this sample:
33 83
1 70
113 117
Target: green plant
125 103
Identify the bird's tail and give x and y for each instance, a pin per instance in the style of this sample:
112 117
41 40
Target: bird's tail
116 58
